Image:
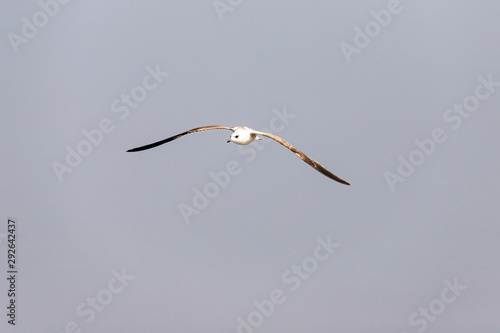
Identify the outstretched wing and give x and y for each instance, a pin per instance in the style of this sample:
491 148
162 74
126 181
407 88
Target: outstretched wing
194 130
304 157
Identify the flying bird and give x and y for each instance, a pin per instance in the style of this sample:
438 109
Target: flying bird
243 135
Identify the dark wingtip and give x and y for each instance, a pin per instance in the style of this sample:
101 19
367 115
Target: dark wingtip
135 149
340 180
344 182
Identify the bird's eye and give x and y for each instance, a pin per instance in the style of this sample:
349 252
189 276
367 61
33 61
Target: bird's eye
236 136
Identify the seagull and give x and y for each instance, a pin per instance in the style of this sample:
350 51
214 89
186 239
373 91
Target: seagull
243 135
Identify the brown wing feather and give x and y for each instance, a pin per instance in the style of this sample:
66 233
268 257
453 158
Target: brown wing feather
194 130
304 157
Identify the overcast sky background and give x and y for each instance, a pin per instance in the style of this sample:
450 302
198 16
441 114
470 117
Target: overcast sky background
120 212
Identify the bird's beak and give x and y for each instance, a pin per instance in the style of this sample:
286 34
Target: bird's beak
229 140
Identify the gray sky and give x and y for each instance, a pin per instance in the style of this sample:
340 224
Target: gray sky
401 99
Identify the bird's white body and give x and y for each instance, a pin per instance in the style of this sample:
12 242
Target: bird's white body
243 135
